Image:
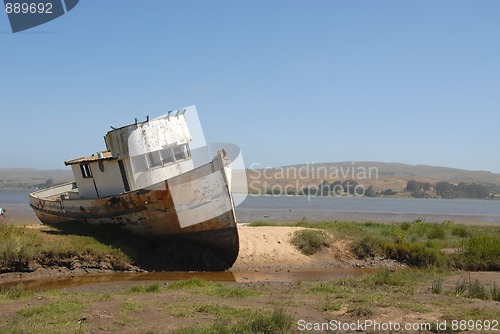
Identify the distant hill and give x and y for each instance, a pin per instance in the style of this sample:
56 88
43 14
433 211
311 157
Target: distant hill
30 178
420 172
380 175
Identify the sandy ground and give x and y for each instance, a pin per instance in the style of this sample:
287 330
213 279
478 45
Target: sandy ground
18 214
269 247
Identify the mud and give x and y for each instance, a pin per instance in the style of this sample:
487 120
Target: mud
47 282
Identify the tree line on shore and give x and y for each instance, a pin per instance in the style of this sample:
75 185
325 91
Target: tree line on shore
413 188
449 190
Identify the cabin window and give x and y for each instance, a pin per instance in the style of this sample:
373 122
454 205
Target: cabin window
86 171
187 151
167 156
179 153
124 175
139 163
154 159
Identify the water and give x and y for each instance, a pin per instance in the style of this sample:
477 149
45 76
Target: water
14 196
281 208
282 276
293 208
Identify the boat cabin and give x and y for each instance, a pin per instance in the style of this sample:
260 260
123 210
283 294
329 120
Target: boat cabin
137 156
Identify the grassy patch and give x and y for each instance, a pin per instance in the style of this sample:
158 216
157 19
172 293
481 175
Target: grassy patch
331 305
218 289
231 291
276 322
128 306
437 286
413 254
477 290
387 277
360 311
460 287
325 287
194 282
222 311
52 310
368 246
178 310
495 292
155 287
21 247
58 316
417 243
480 252
309 241
15 292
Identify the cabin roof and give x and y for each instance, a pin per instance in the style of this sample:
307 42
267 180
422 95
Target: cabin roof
104 155
171 113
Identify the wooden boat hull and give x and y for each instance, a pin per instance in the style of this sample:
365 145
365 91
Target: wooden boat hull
195 206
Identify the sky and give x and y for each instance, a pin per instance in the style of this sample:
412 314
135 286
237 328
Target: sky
288 81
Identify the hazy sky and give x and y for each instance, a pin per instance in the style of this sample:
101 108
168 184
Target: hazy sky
288 81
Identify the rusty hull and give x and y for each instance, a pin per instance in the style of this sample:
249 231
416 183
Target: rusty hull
196 205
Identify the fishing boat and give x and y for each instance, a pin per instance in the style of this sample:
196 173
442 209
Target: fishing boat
146 183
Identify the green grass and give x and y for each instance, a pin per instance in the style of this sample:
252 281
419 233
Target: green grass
360 311
368 246
325 288
221 311
155 287
477 290
194 282
480 252
257 322
437 286
460 287
231 291
217 289
55 311
21 246
58 316
179 310
128 306
331 305
52 309
460 231
418 243
495 292
400 281
16 291
309 242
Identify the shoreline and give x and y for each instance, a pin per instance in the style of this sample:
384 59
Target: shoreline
21 214
290 216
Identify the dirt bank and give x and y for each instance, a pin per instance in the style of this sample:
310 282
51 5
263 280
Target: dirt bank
269 247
